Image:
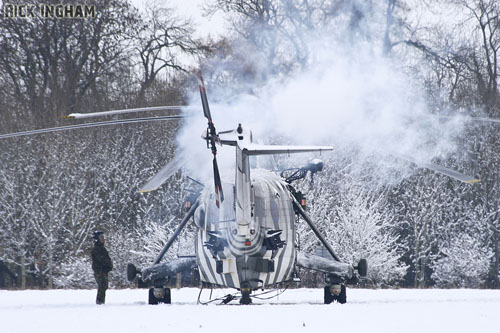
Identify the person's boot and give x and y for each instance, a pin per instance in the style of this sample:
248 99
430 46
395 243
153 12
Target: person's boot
101 297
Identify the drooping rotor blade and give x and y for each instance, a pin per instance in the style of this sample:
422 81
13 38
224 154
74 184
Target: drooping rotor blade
212 138
470 118
483 119
165 173
124 111
438 168
96 124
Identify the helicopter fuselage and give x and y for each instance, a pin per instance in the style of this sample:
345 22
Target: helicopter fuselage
255 253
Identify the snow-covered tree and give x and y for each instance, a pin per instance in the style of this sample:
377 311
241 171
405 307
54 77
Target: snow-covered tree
352 212
364 228
464 263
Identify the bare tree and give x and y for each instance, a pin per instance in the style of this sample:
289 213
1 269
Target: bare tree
484 59
161 43
49 65
467 53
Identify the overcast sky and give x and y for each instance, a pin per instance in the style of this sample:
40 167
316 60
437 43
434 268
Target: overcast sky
191 9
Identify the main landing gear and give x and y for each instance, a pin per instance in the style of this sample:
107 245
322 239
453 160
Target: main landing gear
159 295
335 292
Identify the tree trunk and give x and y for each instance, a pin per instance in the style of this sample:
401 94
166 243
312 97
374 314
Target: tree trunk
23 271
50 283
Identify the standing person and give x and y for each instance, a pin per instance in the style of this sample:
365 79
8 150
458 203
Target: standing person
101 265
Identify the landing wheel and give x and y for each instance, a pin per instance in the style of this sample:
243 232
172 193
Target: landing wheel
131 272
167 298
152 298
159 295
362 267
245 297
342 297
339 295
328 295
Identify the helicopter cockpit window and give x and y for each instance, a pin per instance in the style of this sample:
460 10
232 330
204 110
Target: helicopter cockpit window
199 217
211 215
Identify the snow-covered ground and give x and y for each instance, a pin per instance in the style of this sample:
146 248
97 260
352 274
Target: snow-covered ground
299 310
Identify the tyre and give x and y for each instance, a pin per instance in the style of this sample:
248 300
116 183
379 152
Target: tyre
342 297
131 272
363 267
328 295
245 297
167 297
152 298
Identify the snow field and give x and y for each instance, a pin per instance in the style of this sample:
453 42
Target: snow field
299 310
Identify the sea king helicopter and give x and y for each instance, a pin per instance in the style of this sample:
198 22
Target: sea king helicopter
246 226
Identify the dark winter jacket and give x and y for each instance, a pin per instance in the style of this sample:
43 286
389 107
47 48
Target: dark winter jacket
101 262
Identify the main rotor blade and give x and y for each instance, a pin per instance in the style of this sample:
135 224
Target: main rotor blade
219 195
165 173
212 138
204 99
124 111
438 168
96 124
470 118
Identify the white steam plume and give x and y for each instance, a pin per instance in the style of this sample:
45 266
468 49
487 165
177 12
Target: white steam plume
348 97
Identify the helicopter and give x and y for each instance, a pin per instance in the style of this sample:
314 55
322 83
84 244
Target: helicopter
246 226
245 234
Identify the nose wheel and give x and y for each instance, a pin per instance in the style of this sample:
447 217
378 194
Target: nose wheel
245 296
335 292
